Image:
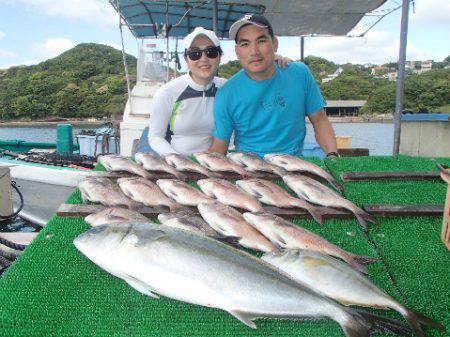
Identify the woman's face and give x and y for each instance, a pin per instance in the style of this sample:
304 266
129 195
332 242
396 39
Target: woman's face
204 69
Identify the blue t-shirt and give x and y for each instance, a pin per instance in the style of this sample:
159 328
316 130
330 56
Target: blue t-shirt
267 116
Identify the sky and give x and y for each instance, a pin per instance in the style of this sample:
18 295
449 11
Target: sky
32 31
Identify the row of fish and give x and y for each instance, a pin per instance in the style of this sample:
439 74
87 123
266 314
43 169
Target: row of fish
246 194
183 265
211 164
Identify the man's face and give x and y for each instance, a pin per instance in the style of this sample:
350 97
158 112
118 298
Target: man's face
204 69
256 50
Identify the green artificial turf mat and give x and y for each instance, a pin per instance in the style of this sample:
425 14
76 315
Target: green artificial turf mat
53 290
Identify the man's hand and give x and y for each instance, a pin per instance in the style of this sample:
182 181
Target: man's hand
323 131
219 146
282 61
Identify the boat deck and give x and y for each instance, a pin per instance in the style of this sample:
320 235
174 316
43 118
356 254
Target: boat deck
53 290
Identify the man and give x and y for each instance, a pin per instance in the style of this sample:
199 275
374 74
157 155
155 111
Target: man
264 105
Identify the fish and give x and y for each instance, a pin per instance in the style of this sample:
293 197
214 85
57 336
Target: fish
103 190
335 279
182 163
296 164
160 260
153 162
196 224
270 193
117 163
229 222
253 163
287 235
148 193
313 191
218 162
182 192
229 194
114 215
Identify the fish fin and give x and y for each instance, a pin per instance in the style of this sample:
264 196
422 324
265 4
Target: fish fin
362 324
229 240
85 197
140 286
256 194
180 175
182 210
280 171
415 319
316 214
244 318
359 262
364 217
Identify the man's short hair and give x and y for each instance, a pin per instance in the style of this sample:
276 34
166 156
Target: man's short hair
250 19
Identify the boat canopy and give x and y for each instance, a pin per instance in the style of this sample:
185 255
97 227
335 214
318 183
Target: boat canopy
147 18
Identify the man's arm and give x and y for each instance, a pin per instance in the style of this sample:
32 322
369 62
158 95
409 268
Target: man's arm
323 131
219 146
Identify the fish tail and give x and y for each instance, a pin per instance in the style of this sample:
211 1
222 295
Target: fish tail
317 214
359 262
364 217
280 171
415 319
361 323
337 185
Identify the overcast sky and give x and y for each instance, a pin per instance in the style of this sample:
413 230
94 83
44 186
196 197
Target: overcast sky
32 31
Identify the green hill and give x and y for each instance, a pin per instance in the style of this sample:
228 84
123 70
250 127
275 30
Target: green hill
85 81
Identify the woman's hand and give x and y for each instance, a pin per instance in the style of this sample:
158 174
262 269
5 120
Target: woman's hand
282 61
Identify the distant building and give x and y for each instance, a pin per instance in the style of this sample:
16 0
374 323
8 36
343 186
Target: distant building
392 76
343 107
378 70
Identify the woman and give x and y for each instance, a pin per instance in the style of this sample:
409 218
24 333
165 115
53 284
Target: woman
181 115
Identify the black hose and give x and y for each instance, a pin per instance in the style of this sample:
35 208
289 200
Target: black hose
12 245
7 217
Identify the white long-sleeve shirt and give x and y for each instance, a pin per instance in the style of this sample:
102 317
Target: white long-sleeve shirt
181 116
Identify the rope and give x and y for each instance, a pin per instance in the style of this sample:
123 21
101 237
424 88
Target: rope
12 245
4 262
8 255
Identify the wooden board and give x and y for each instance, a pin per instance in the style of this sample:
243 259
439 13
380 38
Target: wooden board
404 210
79 210
69 210
353 152
358 176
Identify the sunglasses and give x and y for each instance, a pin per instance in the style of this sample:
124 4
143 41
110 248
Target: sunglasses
195 54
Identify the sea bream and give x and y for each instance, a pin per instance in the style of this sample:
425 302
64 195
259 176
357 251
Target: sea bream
229 194
217 162
147 192
287 235
117 163
181 265
182 163
182 192
105 191
295 164
313 191
270 193
229 222
196 224
252 162
114 215
153 162
338 281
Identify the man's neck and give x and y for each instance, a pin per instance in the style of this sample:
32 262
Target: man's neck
263 75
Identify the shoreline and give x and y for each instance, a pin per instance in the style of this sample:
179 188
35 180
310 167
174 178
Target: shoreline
77 122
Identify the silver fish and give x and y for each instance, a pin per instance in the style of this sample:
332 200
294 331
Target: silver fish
153 162
219 163
156 259
313 191
114 215
290 236
147 192
253 163
182 192
336 280
196 224
229 194
295 164
271 194
181 163
116 163
104 191
229 222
